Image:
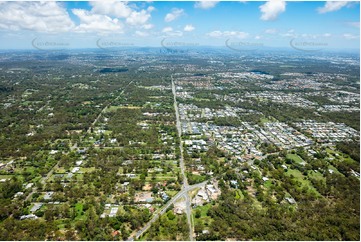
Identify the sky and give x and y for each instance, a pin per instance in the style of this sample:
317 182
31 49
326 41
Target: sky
238 24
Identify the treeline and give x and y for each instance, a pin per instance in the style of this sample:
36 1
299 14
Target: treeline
312 220
350 148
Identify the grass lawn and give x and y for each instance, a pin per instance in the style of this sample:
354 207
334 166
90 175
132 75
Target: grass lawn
264 120
331 167
315 175
79 211
60 170
160 177
301 178
112 108
204 209
267 184
171 193
88 169
297 174
204 219
79 176
295 158
239 194
115 108
25 168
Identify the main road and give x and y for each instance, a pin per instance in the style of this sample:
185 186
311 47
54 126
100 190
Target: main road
186 188
157 214
181 162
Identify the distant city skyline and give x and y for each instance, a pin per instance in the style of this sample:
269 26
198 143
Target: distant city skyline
239 24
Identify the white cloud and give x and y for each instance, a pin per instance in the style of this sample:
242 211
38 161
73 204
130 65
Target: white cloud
235 34
350 36
90 22
205 4
332 6
290 34
141 33
147 26
35 16
123 10
176 13
188 28
150 8
138 18
167 29
271 31
111 8
170 32
175 33
271 9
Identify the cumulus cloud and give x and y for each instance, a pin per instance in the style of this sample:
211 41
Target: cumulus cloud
35 16
332 6
90 22
205 4
104 16
188 28
176 13
147 26
123 10
138 18
235 34
111 8
271 9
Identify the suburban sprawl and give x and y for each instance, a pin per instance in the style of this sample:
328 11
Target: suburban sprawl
199 144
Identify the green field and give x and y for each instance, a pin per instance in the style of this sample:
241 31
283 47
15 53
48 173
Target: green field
295 158
301 178
79 211
204 221
315 175
238 194
88 169
331 167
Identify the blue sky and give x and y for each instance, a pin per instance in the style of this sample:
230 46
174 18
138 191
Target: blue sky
27 25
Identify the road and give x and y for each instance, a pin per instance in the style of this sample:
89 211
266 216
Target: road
106 107
181 162
42 180
98 117
157 214
179 129
185 188
75 145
